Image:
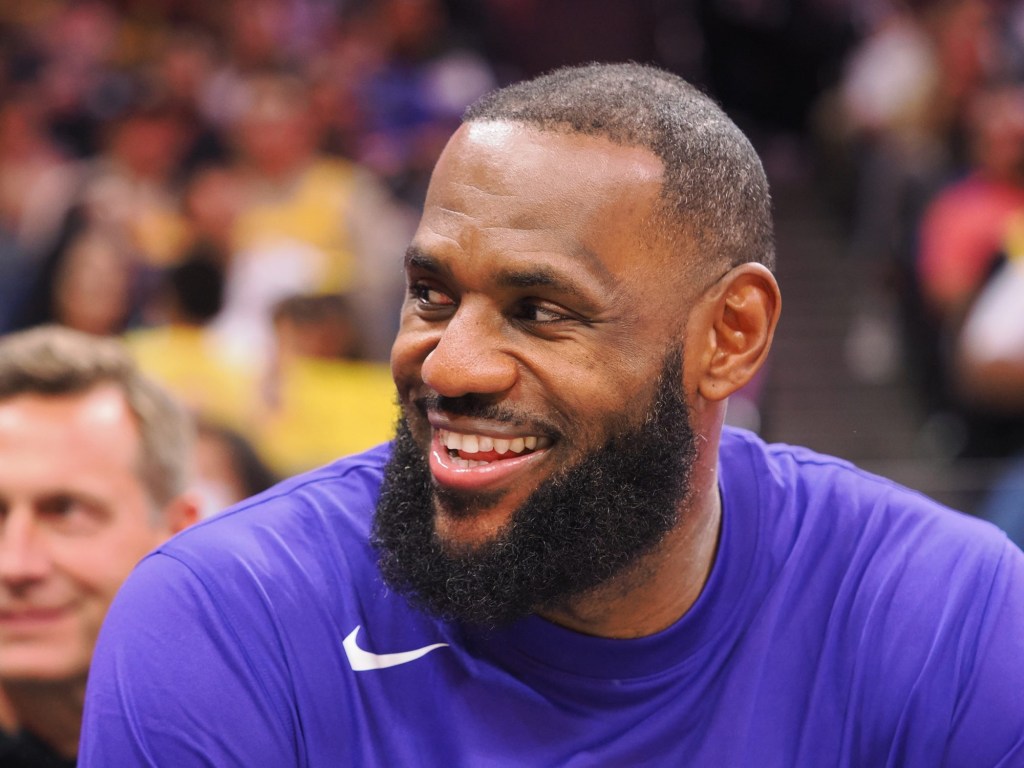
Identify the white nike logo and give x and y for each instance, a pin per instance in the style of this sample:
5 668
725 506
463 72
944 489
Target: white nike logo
362 661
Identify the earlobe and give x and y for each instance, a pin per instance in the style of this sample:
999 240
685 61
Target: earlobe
743 314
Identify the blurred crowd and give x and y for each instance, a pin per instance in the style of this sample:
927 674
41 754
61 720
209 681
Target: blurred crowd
922 137
230 186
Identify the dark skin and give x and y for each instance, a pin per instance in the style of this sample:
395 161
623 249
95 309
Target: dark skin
536 286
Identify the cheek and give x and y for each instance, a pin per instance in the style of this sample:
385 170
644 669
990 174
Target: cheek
594 400
98 566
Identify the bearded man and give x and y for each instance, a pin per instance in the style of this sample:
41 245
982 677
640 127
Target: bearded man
564 558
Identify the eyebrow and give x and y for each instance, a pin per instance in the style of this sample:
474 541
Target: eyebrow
415 258
535 276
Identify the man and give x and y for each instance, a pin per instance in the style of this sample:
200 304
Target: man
571 561
93 465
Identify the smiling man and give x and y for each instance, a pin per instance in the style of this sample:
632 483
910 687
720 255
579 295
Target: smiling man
92 477
564 558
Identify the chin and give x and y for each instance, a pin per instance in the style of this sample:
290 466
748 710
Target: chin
465 519
42 668
468 530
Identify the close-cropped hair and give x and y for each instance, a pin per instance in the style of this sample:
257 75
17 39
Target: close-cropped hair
714 189
54 361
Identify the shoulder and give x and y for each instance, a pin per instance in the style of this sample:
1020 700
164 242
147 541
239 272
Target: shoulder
861 519
919 605
779 470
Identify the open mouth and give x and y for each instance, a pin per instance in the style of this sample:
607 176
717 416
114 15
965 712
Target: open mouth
470 450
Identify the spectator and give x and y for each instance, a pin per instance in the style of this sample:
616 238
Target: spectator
307 223
94 287
93 474
965 226
33 173
989 349
34 176
964 234
179 350
133 184
323 399
902 93
411 93
121 216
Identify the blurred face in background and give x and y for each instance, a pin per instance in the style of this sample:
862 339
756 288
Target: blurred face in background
149 144
75 518
92 292
998 133
211 204
277 133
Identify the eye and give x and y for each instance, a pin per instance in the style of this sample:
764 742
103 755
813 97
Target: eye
429 297
68 513
60 506
543 313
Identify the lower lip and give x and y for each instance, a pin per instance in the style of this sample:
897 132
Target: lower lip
479 478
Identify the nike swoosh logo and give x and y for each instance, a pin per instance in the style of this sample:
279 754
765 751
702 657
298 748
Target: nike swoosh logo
361 660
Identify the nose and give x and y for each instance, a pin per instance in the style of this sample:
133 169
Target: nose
22 555
470 356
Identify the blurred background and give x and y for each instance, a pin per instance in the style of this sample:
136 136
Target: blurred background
230 186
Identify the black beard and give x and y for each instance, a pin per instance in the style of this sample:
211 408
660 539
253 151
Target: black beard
577 530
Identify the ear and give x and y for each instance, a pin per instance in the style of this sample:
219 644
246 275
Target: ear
180 512
740 318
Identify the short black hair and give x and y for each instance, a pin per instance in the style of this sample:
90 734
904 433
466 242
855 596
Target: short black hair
714 189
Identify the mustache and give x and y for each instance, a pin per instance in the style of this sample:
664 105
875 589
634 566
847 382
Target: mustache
481 407
471 405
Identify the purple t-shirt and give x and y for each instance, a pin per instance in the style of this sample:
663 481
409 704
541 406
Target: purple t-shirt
847 621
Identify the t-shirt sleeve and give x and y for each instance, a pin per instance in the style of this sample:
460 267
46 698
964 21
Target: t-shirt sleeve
174 684
988 724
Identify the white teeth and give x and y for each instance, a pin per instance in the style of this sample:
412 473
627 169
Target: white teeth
467 463
471 444
451 440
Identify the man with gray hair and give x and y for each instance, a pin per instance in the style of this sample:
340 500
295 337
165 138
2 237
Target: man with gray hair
564 558
94 465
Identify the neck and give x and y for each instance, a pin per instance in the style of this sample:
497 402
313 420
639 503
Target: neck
52 712
665 584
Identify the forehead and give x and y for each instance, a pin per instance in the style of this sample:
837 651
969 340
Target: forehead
531 189
84 433
548 160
